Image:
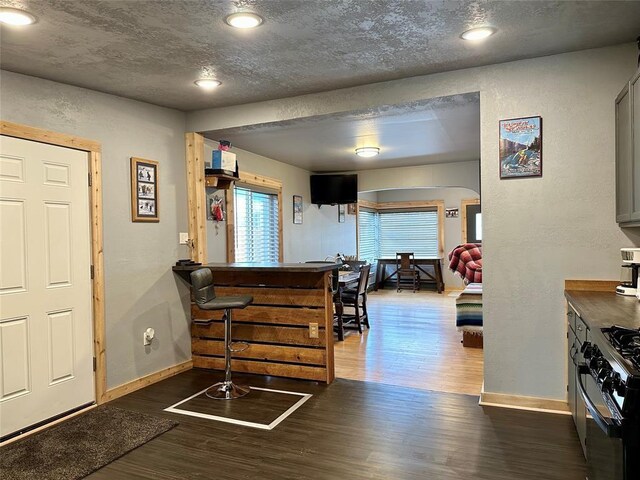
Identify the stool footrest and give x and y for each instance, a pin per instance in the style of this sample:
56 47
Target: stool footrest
242 348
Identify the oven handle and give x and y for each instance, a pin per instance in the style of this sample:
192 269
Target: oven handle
610 426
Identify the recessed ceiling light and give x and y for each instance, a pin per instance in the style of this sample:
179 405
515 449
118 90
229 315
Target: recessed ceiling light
479 33
208 83
13 16
244 20
367 152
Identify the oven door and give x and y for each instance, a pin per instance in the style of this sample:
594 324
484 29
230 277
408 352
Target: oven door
604 443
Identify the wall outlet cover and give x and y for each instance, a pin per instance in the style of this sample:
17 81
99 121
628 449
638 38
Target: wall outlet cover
313 330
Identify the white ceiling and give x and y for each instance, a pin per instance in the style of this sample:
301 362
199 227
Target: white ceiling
153 50
433 131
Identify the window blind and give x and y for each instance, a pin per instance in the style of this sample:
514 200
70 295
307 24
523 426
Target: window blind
369 236
256 226
414 231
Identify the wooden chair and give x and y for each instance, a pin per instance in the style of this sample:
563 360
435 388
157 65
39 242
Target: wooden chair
357 298
406 271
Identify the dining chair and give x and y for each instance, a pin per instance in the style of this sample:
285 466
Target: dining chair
357 298
406 271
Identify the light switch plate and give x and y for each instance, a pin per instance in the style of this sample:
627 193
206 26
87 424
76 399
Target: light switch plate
184 237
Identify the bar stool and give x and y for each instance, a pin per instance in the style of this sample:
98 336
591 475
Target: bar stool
205 297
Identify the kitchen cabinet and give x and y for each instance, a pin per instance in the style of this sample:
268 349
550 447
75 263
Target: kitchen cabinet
576 335
627 112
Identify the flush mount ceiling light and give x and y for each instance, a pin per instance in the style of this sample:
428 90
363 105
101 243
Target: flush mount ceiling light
244 20
479 33
208 83
367 152
13 16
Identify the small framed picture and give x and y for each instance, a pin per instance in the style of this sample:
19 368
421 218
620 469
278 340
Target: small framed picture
351 209
144 190
451 212
521 147
341 213
297 209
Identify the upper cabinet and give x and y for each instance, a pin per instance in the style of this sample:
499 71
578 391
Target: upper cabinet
628 154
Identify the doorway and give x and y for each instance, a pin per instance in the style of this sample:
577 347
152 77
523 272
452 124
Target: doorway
51 323
413 340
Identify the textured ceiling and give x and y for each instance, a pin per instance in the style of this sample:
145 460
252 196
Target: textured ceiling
440 130
154 50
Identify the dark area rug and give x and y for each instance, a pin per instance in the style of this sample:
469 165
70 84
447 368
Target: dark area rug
81 445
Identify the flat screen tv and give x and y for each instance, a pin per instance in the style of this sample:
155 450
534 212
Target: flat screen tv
334 189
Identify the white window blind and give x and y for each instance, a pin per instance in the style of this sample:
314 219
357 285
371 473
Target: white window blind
412 231
369 236
256 226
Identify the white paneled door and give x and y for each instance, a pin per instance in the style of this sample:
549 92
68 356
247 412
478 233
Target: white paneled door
46 328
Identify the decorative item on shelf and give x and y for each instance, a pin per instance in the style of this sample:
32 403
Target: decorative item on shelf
341 210
144 190
451 212
223 169
351 208
297 209
521 147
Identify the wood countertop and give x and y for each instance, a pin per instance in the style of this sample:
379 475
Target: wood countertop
604 309
262 267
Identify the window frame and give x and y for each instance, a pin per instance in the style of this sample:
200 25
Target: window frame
409 205
259 183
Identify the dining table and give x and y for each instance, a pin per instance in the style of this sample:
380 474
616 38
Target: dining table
420 263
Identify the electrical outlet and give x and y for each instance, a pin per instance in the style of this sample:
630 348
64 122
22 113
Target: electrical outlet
184 238
147 336
313 330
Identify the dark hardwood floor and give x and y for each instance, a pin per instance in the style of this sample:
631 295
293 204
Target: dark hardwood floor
352 430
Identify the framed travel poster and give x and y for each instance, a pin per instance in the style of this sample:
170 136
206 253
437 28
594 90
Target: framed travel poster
144 190
521 147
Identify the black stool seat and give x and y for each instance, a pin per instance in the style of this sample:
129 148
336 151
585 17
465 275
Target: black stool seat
222 303
205 297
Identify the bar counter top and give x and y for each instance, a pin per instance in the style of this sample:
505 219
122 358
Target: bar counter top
261 267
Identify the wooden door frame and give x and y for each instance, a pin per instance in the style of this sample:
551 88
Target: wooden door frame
196 201
94 151
463 217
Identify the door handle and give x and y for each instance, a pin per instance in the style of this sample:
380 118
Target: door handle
610 426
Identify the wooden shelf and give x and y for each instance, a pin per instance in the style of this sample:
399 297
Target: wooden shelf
221 182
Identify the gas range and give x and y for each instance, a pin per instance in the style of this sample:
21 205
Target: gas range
613 360
626 341
609 385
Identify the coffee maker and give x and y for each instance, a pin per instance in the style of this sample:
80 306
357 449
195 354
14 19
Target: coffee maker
630 269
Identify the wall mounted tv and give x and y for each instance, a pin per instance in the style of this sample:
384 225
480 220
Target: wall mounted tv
334 189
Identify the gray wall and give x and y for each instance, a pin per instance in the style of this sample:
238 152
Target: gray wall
457 174
318 236
537 232
140 289
452 226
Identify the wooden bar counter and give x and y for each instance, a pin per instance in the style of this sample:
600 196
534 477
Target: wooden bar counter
287 299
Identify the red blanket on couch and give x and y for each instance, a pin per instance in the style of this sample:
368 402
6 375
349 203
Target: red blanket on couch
466 261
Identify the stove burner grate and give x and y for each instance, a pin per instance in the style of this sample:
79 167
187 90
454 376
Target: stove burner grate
626 341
